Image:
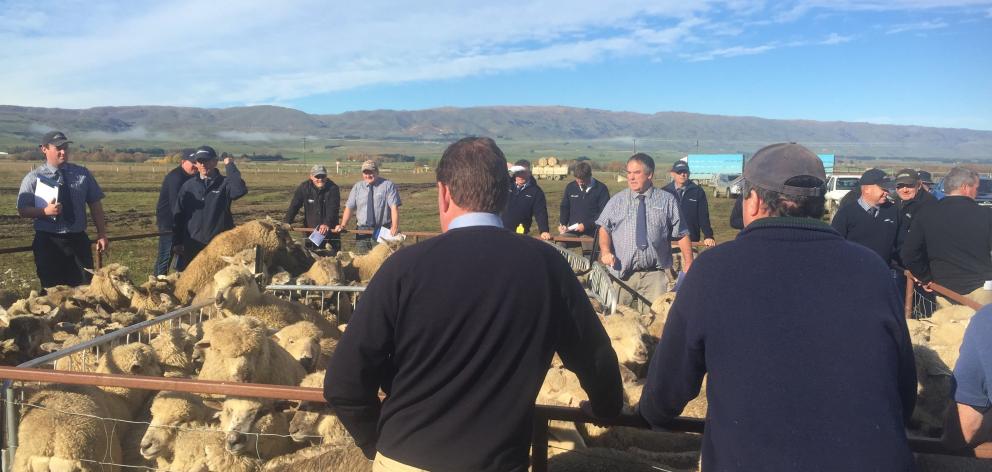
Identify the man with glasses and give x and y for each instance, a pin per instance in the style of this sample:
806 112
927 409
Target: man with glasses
799 377
61 247
636 229
375 202
203 207
320 199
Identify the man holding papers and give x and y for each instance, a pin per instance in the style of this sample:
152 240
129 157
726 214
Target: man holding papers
375 202
320 198
56 195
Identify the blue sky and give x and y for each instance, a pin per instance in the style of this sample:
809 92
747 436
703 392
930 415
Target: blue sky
923 62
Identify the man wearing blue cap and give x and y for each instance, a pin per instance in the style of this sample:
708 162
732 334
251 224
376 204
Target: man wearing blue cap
61 247
203 206
167 197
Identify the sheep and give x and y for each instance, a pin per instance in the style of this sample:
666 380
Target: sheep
324 271
366 265
155 296
324 457
238 349
302 340
274 240
602 460
28 333
172 414
174 349
236 291
933 392
111 286
252 429
7 297
68 429
947 331
629 339
312 422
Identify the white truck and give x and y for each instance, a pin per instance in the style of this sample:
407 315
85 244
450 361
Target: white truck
837 187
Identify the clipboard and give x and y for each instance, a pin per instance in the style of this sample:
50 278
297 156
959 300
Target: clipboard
46 191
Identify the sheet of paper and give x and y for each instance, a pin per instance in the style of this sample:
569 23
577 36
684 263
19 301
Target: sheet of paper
573 227
45 192
385 236
316 238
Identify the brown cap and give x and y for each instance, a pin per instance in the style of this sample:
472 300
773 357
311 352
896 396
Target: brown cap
370 165
772 166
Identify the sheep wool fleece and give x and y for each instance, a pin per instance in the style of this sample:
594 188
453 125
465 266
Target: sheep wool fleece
810 365
459 331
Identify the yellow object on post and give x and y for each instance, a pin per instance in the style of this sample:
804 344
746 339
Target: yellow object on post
520 228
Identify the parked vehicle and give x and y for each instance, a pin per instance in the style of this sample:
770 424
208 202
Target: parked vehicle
984 197
727 185
837 187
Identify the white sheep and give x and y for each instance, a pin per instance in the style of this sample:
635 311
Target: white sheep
330 457
253 433
313 422
174 414
629 340
236 291
239 349
306 343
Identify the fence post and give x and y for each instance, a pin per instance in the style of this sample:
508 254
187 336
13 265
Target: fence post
539 444
909 294
10 412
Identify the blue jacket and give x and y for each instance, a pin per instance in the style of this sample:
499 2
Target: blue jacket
583 207
524 205
809 361
695 209
203 211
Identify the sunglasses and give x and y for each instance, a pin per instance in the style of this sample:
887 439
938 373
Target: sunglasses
682 172
320 176
901 186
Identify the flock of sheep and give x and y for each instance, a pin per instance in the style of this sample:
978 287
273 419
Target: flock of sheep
254 336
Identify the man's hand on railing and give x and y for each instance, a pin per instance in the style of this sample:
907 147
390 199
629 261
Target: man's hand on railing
926 286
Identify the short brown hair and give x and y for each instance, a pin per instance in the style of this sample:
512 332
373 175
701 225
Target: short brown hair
645 161
582 170
475 171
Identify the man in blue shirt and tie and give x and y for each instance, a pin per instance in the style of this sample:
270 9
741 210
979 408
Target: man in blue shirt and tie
375 202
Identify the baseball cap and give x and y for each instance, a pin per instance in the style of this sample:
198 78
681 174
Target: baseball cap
54 137
907 176
187 154
318 170
680 166
204 153
925 177
874 177
370 165
773 166
517 169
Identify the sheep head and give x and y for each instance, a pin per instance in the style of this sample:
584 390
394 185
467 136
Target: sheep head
117 278
235 288
135 359
238 420
230 348
628 338
302 341
168 411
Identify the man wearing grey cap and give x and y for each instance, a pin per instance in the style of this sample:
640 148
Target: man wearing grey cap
873 221
167 197
912 198
203 207
809 362
375 202
320 199
61 247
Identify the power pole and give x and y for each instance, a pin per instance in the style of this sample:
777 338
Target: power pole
304 151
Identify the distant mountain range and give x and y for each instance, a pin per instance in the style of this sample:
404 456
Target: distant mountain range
669 130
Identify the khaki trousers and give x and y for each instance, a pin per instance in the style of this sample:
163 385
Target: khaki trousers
651 285
980 295
385 464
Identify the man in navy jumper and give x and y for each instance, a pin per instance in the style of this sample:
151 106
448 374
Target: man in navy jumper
582 202
203 206
526 201
810 365
692 202
460 338
873 221
167 197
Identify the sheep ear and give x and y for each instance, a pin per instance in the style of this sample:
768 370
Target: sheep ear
228 259
202 344
89 270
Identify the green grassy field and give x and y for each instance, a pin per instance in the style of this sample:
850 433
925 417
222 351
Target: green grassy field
132 192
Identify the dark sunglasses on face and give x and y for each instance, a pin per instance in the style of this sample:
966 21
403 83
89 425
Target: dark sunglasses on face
682 172
901 186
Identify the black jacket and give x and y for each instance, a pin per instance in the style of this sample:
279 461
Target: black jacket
201 211
524 205
320 205
948 243
876 233
737 213
583 207
459 331
167 196
695 209
809 360
908 210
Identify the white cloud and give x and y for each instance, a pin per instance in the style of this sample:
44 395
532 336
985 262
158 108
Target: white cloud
733 51
921 26
835 38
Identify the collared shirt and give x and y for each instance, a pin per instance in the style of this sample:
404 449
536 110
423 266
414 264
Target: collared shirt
82 185
384 194
619 218
865 205
476 219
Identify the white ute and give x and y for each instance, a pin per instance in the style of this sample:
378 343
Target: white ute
837 187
